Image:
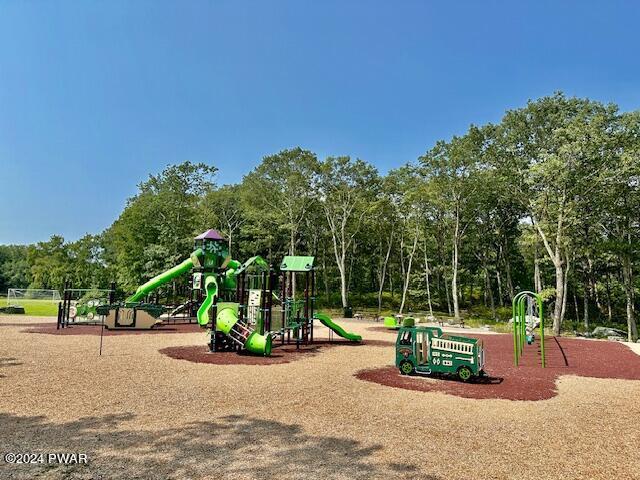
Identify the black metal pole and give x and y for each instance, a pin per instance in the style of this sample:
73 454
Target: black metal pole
59 315
313 299
101 335
307 318
284 305
269 313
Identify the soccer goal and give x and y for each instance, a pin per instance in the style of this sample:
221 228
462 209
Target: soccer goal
17 297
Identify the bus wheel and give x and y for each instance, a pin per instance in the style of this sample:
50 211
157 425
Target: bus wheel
464 373
406 367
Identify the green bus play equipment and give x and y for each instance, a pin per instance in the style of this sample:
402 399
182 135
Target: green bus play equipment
234 301
426 350
524 306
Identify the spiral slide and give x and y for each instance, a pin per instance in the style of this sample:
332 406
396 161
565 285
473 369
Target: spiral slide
228 323
327 322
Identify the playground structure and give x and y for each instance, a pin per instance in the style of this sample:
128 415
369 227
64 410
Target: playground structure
524 306
237 300
397 321
79 306
426 350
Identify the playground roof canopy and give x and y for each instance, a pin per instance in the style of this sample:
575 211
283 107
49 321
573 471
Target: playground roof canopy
297 264
210 235
256 261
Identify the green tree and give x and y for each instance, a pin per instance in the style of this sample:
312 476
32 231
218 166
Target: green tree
551 153
281 192
451 169
157 226
348 190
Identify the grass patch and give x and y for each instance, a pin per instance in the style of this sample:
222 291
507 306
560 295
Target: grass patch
40 308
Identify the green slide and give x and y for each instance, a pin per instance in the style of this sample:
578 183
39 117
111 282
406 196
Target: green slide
327 322
165 277
211 288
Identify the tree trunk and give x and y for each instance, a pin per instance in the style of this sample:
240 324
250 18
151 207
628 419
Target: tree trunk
343 284
454 284
593 285
384 272
565 290
557 311
426 276
556 257
325 276
499 283
487 286
507 267
407 272
627 273
609 309
454 266
536 272
447 294
585 307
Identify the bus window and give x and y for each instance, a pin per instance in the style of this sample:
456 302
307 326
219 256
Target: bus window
406 338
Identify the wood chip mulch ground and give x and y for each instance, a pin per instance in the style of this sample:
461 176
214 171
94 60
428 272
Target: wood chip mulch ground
30 325
50 329
280 354
382 329
141 414
529 381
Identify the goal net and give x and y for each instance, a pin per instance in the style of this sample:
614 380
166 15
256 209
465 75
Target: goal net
17 297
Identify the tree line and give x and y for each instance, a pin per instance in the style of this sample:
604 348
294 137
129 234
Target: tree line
548 199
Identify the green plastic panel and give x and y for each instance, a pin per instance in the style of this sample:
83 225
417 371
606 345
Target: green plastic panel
297 264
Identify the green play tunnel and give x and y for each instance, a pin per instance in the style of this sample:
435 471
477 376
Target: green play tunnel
260 344
226 319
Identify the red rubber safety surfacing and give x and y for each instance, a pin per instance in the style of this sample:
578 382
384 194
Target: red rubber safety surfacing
529 381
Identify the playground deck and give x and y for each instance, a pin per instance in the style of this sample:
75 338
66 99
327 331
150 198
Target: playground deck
138 413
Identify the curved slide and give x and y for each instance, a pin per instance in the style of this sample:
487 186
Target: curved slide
327 322
211 288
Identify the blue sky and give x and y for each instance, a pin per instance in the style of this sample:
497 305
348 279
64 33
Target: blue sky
96 95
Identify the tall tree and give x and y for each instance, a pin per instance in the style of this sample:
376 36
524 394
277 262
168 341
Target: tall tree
348 190
283 190
157 226
451 169
549 151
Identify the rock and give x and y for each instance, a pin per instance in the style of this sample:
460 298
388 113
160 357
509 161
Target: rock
616 338
606 332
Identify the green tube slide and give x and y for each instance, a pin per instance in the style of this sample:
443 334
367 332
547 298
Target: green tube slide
211 288
327 322
165 277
